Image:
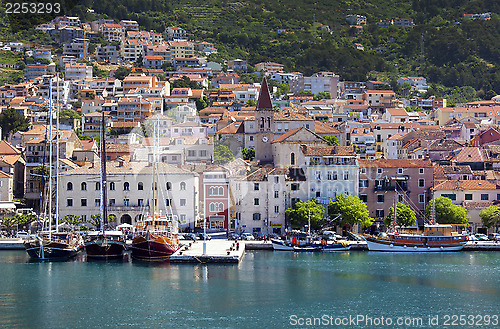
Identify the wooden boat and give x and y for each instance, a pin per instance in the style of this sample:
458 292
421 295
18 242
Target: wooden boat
292 239
336 246
433 238
57 247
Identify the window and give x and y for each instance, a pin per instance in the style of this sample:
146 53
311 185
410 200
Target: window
212 207
191 153
84 186
140 202
255 186
276 194
69 202
98 186
83 202
380 198
400 170
379 213
169 186
276 179
256 201
484 197
498 196
329 175
421 182
112 186
203 153
363 197
400 199
295 186
112 202
221 191
256 216
363 170
126 202
126 186
220 207
183 218
363 183
346 175
292 159
250 138
168 202
97 202
452 197
379 170
318 175
183 186
69 186
276 209
140 186
468 197
421 171
183 203
421 198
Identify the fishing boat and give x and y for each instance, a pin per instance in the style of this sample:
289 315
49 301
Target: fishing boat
157 237
336 246
292 240
52 245
432 238
104 244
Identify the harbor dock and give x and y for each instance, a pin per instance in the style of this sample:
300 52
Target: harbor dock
11 244
217 251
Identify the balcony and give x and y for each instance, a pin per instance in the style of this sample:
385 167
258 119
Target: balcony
391 187
130 207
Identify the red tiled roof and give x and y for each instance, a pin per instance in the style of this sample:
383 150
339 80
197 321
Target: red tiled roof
264 101
395 163
287 134
465 185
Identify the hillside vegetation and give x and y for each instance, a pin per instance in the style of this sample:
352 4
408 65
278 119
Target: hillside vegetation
443 47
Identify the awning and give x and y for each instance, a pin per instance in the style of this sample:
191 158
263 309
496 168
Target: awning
7 205
399 178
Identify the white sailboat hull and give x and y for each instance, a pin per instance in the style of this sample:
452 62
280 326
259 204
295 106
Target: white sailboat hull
377 246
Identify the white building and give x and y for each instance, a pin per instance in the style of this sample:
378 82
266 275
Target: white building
130 187
78 71
326 82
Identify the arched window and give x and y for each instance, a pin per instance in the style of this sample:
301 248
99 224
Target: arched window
98 186
84 186
268 123
112 186
212 207
220 207
126 186
221 191
292 159
140 186
69 186
183 186
169 186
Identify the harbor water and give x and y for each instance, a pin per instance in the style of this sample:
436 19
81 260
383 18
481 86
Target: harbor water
265 290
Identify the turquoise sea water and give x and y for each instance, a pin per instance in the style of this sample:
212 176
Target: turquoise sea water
266 290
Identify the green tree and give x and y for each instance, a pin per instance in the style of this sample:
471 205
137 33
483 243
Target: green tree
351 210
122 72
250 103
298 215
322 95
222 153
72 220
332 140
201 103
185 82
12 121
404 216
95 220
490 217
69 113
248 153
21 220
446 212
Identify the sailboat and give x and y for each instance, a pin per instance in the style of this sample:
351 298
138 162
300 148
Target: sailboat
104 244
158 234
53 245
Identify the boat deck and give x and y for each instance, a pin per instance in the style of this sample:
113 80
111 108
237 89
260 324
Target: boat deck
218 251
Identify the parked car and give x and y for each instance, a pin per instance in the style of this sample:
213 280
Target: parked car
247 236
234 236
190 236
481 237
203 236
22 235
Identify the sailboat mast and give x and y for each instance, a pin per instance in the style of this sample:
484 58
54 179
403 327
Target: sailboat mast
50 159
57 155
104 189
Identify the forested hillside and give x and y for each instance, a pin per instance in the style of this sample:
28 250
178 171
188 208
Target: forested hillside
443 47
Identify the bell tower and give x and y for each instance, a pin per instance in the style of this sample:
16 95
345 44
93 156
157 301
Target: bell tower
264 122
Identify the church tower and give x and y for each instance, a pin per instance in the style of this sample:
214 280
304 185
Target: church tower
264 123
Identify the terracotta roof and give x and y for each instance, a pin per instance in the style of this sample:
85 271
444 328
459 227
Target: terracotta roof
394 163
470 154
397 111
465 185
444 145
10 159
287 134
291 116
325 128
233 128
7 149
261 174
326 151
87 145
128 168
4 175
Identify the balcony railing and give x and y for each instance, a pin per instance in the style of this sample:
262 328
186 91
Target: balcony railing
390 187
